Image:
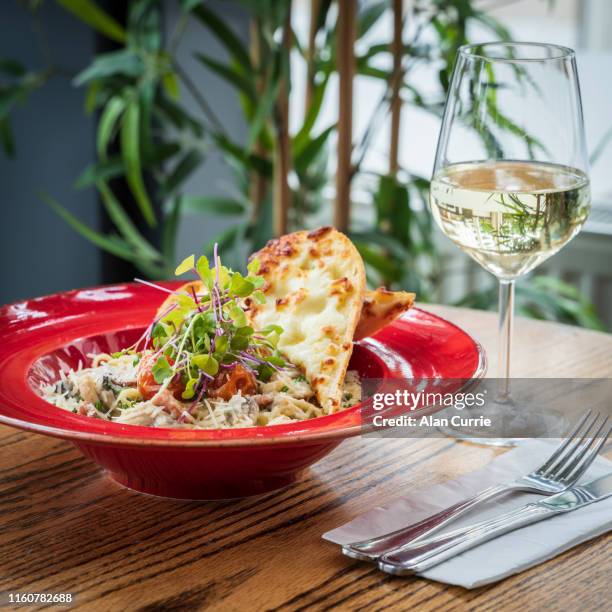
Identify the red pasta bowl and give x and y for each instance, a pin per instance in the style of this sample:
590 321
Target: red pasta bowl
43 336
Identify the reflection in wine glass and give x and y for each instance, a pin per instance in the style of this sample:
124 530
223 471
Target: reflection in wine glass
510 184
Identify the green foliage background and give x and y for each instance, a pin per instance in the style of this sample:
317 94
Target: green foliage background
138 90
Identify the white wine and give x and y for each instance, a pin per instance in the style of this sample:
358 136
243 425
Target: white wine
510 215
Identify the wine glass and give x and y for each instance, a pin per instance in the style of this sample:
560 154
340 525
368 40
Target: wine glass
510 184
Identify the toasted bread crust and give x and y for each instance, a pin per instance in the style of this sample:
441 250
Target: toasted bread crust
381 307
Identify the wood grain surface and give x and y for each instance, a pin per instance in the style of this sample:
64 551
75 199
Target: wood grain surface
64 527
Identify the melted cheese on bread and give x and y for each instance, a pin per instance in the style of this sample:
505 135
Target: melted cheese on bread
315 286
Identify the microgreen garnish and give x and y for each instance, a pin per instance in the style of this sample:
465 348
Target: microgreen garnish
206 333
161 370
185 265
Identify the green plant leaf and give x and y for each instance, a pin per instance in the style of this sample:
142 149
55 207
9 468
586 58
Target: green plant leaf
259 296
237 315
322 15
260 230
106 126
369 15
170 83
146 96
262 112
166 110
187 164
124 62
230 75
301 138
144 25
303 159
100 171
203 268
130 150
542 297
125 225
240 286
189 5
249 160
9 97
393 210
253 266
206 363
379 261
189 391
113 245
492 24
224 34
568 303
113 166
170 228
508 125
187 264
272 329
161 152
161 370
6 137
91 14
600 147
12 67
91 97
372 71
382 240
212 204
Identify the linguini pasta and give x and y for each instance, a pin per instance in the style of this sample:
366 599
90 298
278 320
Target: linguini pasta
108 390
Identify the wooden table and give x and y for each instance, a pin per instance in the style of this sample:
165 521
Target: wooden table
65 528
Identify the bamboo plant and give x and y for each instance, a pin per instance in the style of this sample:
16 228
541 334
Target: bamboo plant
148 139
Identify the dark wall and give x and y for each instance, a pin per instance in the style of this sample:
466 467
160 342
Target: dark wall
54 139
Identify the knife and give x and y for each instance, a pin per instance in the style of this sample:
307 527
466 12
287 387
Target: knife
420 556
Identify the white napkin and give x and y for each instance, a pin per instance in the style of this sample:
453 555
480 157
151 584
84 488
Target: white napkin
508 554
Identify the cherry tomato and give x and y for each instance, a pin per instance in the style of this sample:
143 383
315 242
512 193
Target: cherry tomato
147 385
229 382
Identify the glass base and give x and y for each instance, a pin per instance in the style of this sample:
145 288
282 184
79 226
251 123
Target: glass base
499 442
512 424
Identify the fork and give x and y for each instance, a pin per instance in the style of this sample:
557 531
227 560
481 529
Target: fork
558 473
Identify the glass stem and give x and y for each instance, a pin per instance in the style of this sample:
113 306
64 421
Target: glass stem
506 316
